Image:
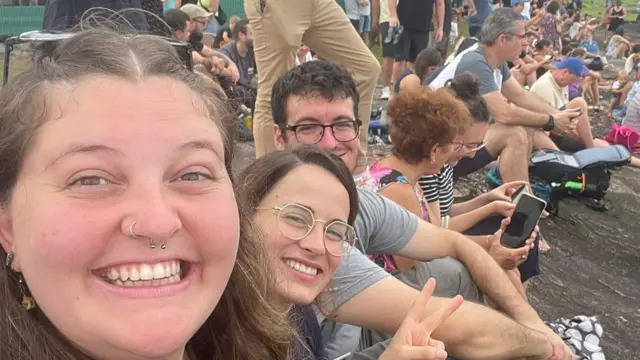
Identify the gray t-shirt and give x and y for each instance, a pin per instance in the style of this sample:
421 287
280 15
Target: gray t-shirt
475 62
382 227
246 64
352 8
490 79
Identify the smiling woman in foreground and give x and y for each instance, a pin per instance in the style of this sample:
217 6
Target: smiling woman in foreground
118 222
305 201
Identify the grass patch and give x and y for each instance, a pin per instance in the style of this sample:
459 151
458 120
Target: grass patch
598 10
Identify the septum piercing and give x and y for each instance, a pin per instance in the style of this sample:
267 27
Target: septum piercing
152 243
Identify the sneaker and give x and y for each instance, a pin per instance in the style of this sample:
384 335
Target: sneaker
386 93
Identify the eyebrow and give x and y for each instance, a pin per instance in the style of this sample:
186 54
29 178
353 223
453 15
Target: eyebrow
95 148
306 207
334 120
84 148
314 213
201 144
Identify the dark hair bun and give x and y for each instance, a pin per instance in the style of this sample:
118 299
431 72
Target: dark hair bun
465 85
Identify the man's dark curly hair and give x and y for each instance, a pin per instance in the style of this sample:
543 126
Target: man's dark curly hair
313 79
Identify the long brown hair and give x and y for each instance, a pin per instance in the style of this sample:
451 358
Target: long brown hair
257 179
243 325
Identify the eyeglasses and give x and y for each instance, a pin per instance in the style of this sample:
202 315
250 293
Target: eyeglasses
470 147
310 134
296 222
200 21
521 37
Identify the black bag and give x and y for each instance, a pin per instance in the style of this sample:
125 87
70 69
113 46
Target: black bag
585 174
594 64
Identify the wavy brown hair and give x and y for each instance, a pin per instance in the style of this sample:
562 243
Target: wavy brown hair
421 120
262 175
243 326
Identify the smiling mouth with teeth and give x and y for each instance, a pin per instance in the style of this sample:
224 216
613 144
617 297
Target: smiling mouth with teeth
139 275
302 268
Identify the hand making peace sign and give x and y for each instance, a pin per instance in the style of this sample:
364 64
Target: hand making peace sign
413 339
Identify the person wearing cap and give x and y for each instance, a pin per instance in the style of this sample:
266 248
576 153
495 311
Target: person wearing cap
520 117
215 61
279 27
518 6
553 87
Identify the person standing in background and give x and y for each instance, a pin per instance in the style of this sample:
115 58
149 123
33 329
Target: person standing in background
365 20
415 17
279 27
380 20
443 45
550 26
483 9
352 9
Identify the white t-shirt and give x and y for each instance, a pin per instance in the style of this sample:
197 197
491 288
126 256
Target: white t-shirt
547 88
628 65
526 12
366 10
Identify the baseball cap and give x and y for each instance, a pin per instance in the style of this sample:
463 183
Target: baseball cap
516 2
195 11
573 64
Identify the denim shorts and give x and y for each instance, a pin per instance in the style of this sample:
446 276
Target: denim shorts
365 23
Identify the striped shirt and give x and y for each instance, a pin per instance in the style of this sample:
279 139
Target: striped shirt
439 188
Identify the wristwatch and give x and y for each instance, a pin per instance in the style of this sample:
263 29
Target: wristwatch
550 124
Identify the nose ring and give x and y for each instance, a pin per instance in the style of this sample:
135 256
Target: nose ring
152 243
133 234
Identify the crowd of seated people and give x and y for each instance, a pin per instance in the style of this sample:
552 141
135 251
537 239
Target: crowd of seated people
171 254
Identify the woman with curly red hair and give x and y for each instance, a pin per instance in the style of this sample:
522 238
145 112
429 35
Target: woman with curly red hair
424 124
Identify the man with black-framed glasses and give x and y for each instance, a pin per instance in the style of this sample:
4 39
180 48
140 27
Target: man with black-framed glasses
312 104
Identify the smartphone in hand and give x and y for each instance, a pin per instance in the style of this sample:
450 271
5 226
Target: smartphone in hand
525 217
516 194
